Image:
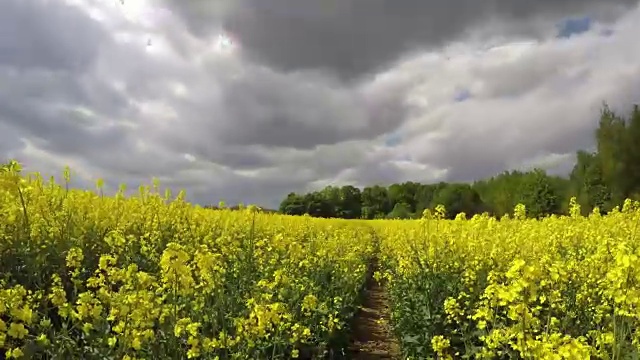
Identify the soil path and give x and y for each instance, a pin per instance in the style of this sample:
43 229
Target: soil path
371 336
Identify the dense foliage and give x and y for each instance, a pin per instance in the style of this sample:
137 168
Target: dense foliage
557 288
85 276
601 179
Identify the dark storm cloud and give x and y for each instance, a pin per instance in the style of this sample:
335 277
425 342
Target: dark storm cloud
222 125
22 87
10 140
260 107
285 112
59 110
238 157
48 93
379 173
354 37
45 34
46 48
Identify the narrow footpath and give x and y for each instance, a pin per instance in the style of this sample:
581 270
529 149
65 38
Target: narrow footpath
371 336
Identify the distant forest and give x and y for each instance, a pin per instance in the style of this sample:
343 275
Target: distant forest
600 179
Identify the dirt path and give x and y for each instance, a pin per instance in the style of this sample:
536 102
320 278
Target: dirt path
371 336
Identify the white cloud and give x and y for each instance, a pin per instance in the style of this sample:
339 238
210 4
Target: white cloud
196 112
526 98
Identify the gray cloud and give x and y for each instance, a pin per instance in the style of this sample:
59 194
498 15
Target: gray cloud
356 37
39 35
292 111
513 116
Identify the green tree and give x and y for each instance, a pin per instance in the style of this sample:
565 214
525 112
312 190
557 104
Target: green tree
587 183
375 202
331 197
501 193
318 205
293 204
458 198
539 195
400 211
610 137
629 181
424 195
404 193
350 202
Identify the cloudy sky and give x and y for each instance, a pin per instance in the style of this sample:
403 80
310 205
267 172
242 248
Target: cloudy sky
247 100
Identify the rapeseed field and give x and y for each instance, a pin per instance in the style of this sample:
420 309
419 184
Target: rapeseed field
88 276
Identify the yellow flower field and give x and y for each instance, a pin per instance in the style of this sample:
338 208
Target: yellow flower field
83 276
559 288
86 276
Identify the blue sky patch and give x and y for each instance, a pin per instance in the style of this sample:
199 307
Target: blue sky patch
393 139
573 26
462 95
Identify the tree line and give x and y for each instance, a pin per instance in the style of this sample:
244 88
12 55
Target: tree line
603 178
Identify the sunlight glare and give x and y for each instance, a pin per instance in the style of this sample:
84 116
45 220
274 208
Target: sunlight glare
225 44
